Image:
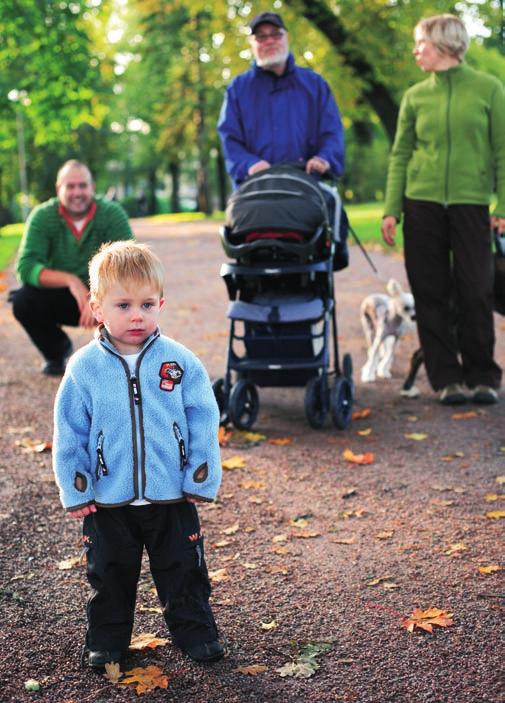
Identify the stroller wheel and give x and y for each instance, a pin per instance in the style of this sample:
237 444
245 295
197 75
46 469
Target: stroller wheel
347 366
341 402
244 404
221 400
315 405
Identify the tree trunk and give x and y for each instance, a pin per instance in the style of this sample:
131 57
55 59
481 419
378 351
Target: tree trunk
375 93
175 195
151 196
222 180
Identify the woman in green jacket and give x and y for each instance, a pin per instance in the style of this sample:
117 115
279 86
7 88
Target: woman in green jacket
448 154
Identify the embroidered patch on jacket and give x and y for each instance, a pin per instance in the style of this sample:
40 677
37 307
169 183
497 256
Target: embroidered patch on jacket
201 473
171 374
80 482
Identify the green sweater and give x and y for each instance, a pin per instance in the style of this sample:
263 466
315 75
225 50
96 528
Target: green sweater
48 243
449 146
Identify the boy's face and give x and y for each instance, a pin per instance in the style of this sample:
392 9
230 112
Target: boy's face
130 314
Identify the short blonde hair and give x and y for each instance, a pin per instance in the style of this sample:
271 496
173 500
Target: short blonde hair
123 263
68 166
447 33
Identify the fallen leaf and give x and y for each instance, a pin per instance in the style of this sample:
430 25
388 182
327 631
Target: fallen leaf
390 585
268 625
112 672
69 563
146 679
231 530
465 416
349 456
282 551
235 462
361 414
451 457
147 640
251 437
491 569
342 540
299 670
280 538
377 580
425 619
299 522
385 534
280 441
277 570
218 575
306 534
500 479
251 670
249 565
455 549
223 436
146 609
349 493
32 685
255 485
255 499
442 503
222 543
365 433
34 445
492 497
496 514
417 436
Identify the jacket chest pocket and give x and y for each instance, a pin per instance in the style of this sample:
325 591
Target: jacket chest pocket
101 466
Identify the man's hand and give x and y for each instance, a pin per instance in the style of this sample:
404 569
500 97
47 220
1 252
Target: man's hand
317 165
498 223
81 295
258 166
82 512
388 229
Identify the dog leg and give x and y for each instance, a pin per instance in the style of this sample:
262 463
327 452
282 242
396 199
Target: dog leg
387 354
369 370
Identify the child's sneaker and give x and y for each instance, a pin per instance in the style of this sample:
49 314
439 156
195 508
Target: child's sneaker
205 651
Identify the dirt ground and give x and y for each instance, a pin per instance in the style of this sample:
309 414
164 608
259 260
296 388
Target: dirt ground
303 546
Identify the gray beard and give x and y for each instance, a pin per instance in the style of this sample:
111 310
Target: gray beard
277 60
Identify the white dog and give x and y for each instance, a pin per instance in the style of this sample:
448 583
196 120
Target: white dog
385 319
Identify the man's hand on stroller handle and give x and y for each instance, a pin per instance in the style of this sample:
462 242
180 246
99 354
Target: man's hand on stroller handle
388 229
498 223
317 164
258 166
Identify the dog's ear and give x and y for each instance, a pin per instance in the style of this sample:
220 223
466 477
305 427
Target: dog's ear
394 288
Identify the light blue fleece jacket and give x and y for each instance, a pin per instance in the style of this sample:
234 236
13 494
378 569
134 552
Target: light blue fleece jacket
95 433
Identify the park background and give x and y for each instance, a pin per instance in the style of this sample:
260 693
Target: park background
134 87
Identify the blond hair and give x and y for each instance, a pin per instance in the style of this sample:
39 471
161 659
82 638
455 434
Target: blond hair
124 263
447 33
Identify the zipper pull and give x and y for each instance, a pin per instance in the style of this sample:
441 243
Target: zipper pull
182 446
135 389
101 461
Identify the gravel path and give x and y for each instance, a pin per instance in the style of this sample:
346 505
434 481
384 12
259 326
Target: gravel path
297 537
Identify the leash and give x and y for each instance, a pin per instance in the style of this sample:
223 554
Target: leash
364 251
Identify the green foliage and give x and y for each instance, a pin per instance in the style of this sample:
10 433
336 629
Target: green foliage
10 236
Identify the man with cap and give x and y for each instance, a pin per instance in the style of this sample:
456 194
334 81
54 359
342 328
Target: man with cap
278 111
61 236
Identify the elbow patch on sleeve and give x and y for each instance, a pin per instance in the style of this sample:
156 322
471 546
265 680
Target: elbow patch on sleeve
201 473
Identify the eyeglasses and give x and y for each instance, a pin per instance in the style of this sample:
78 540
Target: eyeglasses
260 38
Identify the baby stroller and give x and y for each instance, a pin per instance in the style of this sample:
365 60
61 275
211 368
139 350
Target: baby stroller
282 306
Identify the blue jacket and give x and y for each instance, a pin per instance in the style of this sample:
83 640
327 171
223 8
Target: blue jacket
95 437
279 118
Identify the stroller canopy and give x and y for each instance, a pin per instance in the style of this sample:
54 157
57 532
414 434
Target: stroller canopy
282 198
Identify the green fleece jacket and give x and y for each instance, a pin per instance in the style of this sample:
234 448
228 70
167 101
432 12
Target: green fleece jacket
449 146
48 242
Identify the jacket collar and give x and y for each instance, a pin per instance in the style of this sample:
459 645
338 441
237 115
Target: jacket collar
290 67
102 337
454 73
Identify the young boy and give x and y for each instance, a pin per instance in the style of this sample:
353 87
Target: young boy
135 447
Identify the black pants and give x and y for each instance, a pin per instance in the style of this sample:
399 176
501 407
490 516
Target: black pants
448 256
115 538
42 311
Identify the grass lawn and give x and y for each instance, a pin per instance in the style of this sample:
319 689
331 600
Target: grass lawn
9 240
365 220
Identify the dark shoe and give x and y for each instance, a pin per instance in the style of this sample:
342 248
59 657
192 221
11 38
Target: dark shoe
205 651
98 659
453 394
56 367
484 395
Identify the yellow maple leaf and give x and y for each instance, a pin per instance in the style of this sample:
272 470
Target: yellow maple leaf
218 575
365 433
364 459
417 436
495 514
69 563
425 619
251 670
492 497
491 569
234 462
147 640
455 548
146 679
249 436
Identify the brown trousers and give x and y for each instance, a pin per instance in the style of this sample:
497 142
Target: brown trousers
449 263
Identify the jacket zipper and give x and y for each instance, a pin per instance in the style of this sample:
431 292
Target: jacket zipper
448 129
101 466
182 446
